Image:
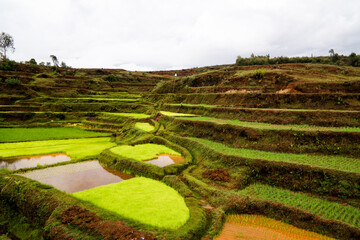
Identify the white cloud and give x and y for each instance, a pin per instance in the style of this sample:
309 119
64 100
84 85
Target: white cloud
162 34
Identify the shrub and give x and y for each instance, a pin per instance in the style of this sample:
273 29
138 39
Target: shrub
259 73
13 81
99 71
32 61
111 78
7 65
354 60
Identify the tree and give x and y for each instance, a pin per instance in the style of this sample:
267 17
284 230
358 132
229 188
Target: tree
32 61
334 56
6 43
354 60
55 60
63 65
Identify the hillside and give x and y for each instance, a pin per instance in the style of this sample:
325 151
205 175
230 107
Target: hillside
281 141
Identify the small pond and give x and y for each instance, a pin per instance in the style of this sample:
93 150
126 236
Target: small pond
77 177
166 159
33 161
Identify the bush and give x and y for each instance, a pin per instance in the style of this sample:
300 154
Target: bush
32 62
334 58
259 73
7 65
111 78
354 60
13 81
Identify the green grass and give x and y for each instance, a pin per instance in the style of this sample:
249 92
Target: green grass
340 163
142 200
174 114
268 126
320 207
129 115
147 127
33 134
143 152
75 148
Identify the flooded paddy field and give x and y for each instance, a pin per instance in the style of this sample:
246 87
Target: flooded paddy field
77 177
165 159
33 161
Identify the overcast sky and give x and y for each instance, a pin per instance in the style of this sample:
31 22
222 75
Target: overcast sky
175 34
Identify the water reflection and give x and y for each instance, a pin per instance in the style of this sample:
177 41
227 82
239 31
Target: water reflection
33 161
77 177
166 159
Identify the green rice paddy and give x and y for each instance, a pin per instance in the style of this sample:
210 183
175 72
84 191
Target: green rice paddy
34 134
174 114
75 148
129 115
142 152
268 126
147 127
142 200
320 207
345 164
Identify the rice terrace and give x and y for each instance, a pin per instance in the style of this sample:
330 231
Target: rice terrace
242 151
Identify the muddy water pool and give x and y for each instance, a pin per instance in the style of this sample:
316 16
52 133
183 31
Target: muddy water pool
77 177
33 161
166 159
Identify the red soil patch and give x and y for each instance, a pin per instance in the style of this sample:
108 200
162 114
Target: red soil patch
218 174
84 219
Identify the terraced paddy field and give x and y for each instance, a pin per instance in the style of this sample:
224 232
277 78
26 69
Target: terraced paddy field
35 134
260 227
326 209
266 126
147 127
75 148
216 153
322 161
143 200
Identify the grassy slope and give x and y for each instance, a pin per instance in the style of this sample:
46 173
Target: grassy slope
338 163
34 134
75 148
268 126
323 208
141 199
147 127
142 152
